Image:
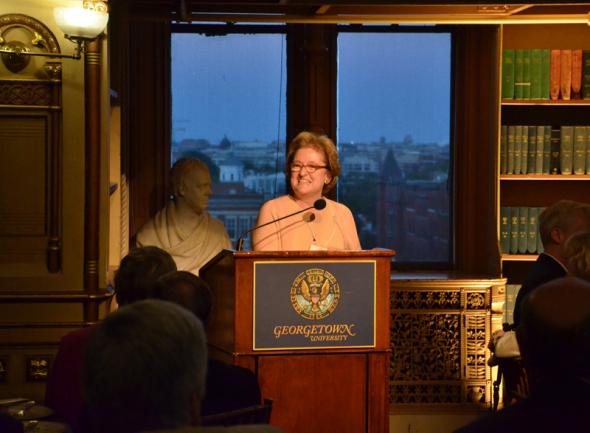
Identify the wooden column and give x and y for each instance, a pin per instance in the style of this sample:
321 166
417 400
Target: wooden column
92 61
476 124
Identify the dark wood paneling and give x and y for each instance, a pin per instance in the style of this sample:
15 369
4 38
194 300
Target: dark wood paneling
311 88
299 388
148 113
476 137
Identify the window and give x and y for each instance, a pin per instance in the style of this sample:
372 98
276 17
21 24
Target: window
228 109
394 105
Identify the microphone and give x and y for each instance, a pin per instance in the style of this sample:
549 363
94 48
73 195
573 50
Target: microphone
319 204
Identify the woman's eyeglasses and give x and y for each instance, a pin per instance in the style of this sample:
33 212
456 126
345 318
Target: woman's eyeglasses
311 168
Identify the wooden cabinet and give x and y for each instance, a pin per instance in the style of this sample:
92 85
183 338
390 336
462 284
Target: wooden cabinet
541 190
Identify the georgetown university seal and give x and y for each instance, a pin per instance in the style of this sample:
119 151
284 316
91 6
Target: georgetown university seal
315 293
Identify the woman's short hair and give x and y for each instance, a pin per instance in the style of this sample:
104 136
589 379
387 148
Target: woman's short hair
577 255
321 143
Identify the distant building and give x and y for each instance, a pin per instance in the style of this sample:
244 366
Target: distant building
236 206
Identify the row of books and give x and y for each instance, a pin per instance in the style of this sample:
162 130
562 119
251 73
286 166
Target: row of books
511 294
519 230
545 74
543 149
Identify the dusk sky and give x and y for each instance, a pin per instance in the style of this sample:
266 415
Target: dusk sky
390 85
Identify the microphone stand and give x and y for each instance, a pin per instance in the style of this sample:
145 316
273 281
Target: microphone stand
319 204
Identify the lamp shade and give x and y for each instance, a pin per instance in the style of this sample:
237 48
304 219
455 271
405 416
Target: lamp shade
80 22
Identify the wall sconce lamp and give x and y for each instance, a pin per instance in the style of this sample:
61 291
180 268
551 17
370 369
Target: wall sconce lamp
79 25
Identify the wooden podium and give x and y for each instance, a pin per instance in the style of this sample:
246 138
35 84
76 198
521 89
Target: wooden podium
314 327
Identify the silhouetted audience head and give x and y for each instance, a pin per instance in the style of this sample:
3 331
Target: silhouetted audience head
187 290
559 222
145 369
139 271
554 333
577 254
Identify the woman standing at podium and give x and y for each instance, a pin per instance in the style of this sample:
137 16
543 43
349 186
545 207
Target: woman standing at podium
313 169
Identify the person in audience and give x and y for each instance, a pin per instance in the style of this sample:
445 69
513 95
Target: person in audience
145 370
228 387
313 169
135 280
554 340
577 253
557 224
184 228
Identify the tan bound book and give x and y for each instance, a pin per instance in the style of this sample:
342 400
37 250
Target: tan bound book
566 74
577 74
555 74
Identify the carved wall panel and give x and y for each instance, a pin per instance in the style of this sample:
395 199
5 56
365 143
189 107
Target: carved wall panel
439 333
30 151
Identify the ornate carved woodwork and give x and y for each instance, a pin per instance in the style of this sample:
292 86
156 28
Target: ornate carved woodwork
30 151
439 333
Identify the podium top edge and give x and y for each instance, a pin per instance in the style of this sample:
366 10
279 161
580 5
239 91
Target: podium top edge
312 254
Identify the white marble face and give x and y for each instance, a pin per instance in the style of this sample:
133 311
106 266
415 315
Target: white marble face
196 190
307 185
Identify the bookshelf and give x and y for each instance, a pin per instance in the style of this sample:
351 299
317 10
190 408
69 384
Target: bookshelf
540 190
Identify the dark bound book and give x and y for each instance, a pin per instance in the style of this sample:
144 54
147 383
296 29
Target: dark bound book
503 149
539 151
577 74
579 164
524 149
554 162
547 149
514 231
505 213
511 140
517 149
566 150
523 230
532 231
586 74
532 158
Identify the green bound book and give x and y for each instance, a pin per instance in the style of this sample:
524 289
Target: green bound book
510 152
523 230
547 149
532 158
539 150
586 74
507 74
511 294
505 230
514 231
566 149
587 149
503 149
536 60
532 230
526 74
545 73
517 148
518 74
579 163
540 248
524 150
